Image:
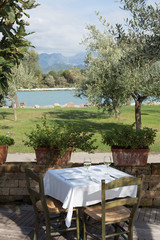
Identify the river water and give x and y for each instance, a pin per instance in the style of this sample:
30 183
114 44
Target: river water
49 98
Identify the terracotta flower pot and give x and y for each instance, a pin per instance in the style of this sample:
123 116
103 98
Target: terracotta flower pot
3 153
50 156
62 161
130 157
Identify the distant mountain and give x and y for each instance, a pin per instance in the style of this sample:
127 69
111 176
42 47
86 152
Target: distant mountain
57 62
58 67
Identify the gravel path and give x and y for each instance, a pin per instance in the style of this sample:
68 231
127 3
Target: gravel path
75 157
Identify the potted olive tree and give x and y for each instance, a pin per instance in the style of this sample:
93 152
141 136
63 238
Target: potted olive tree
5 141
130 147
53 143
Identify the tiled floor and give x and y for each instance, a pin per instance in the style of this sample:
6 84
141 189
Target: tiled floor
17 223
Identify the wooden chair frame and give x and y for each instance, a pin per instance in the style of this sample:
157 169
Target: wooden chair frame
38 194
133 203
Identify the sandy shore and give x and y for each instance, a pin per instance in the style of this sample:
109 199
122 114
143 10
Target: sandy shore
45 89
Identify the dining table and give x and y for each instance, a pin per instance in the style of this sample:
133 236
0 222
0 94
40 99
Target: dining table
81 186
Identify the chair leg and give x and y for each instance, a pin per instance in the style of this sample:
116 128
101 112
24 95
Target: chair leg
84 226
130 234
103 231
48 232
36 224
48 227
36 231
62 222
116 230
130 228
77 224
116 238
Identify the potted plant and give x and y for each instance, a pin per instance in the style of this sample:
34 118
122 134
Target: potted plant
5 141
130 147
54 143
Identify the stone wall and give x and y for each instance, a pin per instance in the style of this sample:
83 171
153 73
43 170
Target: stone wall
13 184
151 186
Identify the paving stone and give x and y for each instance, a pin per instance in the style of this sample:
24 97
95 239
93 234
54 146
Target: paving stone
17 223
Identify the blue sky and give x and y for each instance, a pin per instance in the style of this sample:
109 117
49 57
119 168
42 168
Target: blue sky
60 25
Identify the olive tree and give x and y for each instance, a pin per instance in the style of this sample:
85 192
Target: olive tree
141 61
103 84
123 62
22 77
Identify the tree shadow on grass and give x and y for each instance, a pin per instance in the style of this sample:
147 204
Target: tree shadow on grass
5 127
3 115
87 121
150 110
78 114
144 114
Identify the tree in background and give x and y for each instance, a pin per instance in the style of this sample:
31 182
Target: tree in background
71 76
31 61
50 79
143 28
12 42
123 63
26 75
75 76
103 82
142 42
64 78
22 77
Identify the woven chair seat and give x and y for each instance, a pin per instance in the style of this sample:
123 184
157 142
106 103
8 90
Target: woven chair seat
111 215
54 206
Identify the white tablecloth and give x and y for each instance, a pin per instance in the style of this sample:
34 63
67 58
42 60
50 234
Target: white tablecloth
77 187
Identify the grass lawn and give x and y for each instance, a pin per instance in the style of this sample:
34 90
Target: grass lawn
88 118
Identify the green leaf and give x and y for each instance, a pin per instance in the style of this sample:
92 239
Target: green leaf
11 16
2 60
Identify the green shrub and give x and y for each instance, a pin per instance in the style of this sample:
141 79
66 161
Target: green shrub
127 137
60 137
6 140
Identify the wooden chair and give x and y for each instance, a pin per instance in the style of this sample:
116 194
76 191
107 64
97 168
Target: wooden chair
113 212
51 208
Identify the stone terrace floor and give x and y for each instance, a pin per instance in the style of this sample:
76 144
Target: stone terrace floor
17 223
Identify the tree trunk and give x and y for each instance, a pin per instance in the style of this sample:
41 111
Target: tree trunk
17 101
14 110
15 114
138 104
116 111
115 108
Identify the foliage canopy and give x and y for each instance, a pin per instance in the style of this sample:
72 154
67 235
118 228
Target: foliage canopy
12 42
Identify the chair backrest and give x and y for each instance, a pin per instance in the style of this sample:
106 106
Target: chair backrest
122 182
35 186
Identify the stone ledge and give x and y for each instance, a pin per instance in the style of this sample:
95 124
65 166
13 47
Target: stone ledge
151 194
155 168
152 178
146 202
8 183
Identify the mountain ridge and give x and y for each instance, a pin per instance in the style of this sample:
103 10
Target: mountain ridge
57 62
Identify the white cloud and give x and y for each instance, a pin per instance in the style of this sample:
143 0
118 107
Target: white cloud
59 25
55 30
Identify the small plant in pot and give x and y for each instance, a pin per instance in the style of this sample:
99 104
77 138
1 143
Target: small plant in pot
53 143
130 147
5 141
